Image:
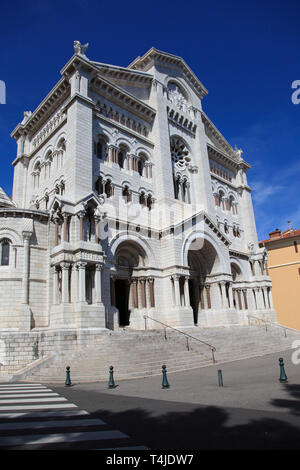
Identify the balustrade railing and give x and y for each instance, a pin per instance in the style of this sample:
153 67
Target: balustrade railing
270 323
187 335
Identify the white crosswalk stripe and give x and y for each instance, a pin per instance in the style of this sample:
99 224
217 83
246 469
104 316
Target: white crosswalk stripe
33 415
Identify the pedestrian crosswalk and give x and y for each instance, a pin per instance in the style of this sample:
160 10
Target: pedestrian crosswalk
32 416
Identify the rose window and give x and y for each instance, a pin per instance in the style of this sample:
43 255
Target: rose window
179 153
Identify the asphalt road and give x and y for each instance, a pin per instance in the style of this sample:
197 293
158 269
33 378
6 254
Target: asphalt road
253 410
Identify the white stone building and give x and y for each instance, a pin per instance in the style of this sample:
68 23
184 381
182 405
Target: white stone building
127 200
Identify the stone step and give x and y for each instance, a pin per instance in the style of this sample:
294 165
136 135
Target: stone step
139 354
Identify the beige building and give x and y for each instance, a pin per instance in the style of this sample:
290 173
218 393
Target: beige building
284 270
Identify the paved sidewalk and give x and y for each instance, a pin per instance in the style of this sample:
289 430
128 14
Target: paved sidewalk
253 410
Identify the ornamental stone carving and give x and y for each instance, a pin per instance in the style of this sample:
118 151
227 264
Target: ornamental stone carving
176 97
80 48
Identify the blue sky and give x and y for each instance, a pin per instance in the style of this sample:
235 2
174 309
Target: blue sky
245 53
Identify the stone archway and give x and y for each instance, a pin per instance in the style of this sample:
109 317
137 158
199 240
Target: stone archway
130 283
237 292
203 262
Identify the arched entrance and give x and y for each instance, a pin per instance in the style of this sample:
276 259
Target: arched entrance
129 282
238 294
203 262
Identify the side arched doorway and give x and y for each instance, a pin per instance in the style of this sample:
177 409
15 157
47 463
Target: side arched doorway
129 283
203 262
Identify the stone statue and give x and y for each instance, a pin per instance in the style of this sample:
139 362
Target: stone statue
238 152
80 48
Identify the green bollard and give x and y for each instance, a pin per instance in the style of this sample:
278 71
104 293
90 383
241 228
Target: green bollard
111 382
68 380
283 378
165 383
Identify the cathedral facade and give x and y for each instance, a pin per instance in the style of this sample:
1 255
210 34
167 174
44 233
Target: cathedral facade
129 208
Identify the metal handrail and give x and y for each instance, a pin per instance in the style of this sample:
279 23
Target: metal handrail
271 323
213 349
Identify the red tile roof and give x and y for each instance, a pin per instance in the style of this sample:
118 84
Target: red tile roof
281 236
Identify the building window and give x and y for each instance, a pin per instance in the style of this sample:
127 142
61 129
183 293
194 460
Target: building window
140 166
36 175
149 202
142 199
126 194
108 189
99 186
5 249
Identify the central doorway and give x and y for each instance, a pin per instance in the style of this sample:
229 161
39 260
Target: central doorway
122 300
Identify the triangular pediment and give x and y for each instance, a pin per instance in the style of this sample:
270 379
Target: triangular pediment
156 57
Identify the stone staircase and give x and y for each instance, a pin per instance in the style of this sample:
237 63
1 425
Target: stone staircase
137 354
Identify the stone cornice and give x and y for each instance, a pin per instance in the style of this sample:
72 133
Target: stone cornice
122 128
46 108
228 151
154 55
223 157
122 98
12 212
122 73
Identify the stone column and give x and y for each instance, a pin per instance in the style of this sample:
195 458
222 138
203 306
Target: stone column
143 292
135 293
177 290
66 238
56 232
186 292
74 283
151 292
55 285
245 299
81 216
81 287
207 289
265 293
202 296
230 293
65 282
224 296
98 283
97 220
240 306
271 298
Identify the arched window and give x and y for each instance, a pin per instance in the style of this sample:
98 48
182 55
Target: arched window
108 188
141 164
36 175
121 158
222 200
5 249
62 188
61 148
149 202
48 160
99 185
126 194
101 148
142 199
176 180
